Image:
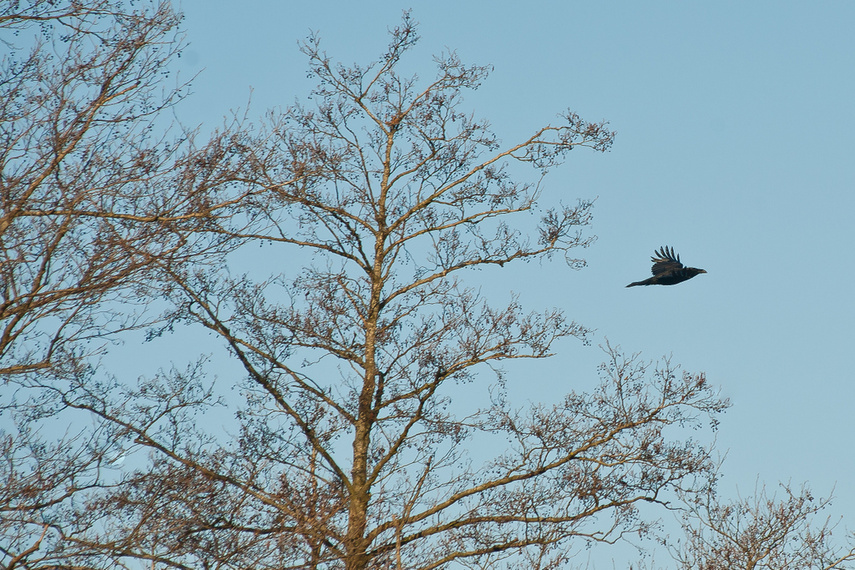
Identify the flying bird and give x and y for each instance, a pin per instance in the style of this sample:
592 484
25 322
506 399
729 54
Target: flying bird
667 269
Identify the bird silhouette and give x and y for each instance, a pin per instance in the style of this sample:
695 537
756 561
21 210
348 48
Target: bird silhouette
667 269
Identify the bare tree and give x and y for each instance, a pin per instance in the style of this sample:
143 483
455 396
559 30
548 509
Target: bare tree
349 446
760 531
95 194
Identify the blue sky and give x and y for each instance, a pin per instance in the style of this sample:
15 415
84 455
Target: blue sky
736 129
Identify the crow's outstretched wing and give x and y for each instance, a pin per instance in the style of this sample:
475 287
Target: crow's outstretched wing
665 261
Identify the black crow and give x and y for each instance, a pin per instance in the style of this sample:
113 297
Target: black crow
667 269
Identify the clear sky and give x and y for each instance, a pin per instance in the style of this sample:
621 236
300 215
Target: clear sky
736 131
